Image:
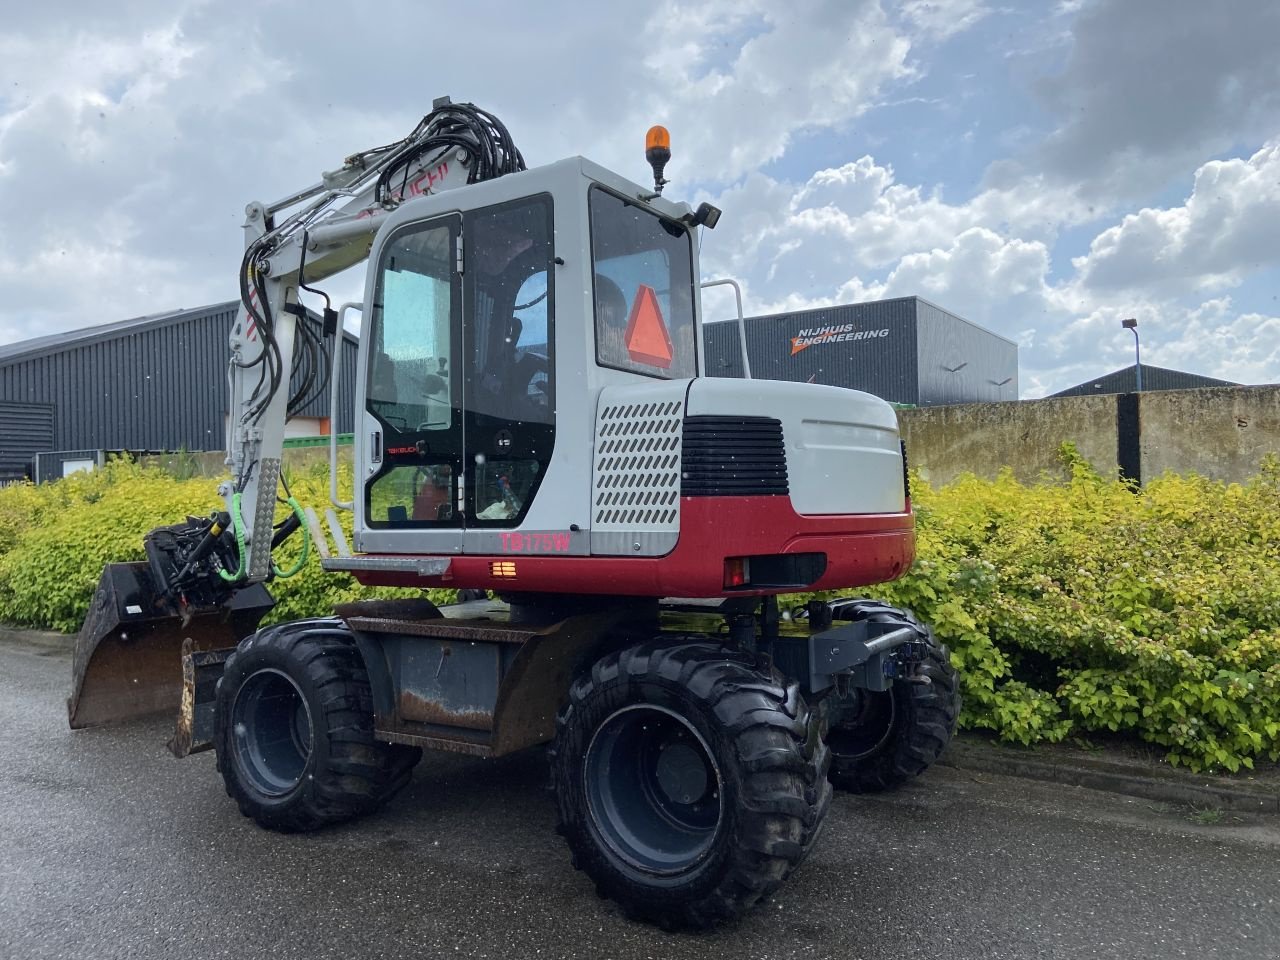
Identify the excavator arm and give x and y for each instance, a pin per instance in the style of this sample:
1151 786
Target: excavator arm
299 240
201 586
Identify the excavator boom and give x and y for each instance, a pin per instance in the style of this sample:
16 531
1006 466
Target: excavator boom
202 583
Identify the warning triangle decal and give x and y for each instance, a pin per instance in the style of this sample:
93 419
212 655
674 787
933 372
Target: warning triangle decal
647 338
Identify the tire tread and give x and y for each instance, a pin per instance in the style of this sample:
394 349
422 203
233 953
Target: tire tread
779 761
360 773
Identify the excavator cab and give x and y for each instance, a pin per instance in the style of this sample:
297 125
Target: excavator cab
491 314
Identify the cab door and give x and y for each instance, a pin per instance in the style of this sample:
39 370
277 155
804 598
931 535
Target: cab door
410 443
509 393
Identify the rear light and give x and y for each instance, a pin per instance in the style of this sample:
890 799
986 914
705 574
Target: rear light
906 471
502 569
737 572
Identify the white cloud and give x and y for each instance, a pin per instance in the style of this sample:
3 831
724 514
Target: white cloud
137 132
1228 227
809 66
1151 88
940 19
1243 347
806 243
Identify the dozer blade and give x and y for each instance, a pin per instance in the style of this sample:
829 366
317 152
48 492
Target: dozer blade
128 656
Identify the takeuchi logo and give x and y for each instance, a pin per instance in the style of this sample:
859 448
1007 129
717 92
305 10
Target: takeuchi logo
841 333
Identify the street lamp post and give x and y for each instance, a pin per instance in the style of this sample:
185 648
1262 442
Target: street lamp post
1132 324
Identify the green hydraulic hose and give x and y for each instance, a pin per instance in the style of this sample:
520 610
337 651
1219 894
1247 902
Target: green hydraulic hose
306 544
242 561
238 527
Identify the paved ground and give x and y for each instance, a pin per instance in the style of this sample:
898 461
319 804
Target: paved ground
111 848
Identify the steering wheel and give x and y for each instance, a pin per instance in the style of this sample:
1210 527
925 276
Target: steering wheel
529 368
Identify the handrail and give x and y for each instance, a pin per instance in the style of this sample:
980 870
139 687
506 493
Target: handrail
742 325
335 378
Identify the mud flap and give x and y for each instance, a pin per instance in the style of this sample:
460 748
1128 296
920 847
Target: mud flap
128 659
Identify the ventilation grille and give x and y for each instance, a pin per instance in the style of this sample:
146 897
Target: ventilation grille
637 467
733 457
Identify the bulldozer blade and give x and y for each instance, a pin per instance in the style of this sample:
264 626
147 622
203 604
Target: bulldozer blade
128 662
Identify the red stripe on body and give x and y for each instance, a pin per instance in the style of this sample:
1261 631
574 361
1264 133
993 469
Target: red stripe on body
861 549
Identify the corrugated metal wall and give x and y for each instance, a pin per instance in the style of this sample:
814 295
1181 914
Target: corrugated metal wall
160 385
960 362
25 430
917 353
829 345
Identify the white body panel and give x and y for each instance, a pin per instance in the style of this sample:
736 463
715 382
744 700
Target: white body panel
636 477
843 451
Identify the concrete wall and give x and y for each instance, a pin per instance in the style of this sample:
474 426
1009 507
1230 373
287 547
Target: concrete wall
1220 432
982 438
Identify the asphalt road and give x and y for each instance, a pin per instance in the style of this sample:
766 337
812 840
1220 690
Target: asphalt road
109 848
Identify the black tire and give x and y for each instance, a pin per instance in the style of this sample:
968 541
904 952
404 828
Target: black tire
294 729
880 740
671 845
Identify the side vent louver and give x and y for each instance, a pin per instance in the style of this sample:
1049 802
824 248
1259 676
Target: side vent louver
732 457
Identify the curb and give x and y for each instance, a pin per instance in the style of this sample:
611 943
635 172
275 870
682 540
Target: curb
1167 784
42 640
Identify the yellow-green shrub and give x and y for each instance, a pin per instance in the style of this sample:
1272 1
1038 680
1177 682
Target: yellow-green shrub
56 538
1092 606
1068 607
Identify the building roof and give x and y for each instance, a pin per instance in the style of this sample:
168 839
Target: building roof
1124 380
56 342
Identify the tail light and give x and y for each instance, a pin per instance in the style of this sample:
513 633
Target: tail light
737 572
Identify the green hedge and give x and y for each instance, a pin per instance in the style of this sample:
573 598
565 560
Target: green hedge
1091 606
56 538
1069 607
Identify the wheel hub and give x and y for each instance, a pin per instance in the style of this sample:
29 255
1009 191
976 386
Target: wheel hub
862 724
681 773
653 789
271 735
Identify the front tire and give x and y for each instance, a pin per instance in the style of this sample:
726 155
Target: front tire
879 740
294 729
689 782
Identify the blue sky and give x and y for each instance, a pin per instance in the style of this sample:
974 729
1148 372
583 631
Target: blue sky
1044 169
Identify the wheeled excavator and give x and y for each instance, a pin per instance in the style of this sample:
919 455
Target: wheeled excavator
534 427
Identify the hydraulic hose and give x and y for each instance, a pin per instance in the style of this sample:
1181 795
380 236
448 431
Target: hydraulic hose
237 525
306 543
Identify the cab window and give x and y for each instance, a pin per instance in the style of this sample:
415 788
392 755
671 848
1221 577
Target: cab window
643 289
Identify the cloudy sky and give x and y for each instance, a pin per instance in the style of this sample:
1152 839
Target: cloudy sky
1044 169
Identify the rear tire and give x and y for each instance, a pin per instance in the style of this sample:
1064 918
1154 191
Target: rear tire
689 782
294 729
880 740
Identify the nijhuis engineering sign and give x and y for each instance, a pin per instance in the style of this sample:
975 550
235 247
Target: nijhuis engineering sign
839 333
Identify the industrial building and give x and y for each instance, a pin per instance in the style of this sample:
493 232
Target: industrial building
907 351
1125 380
153 383
158 383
